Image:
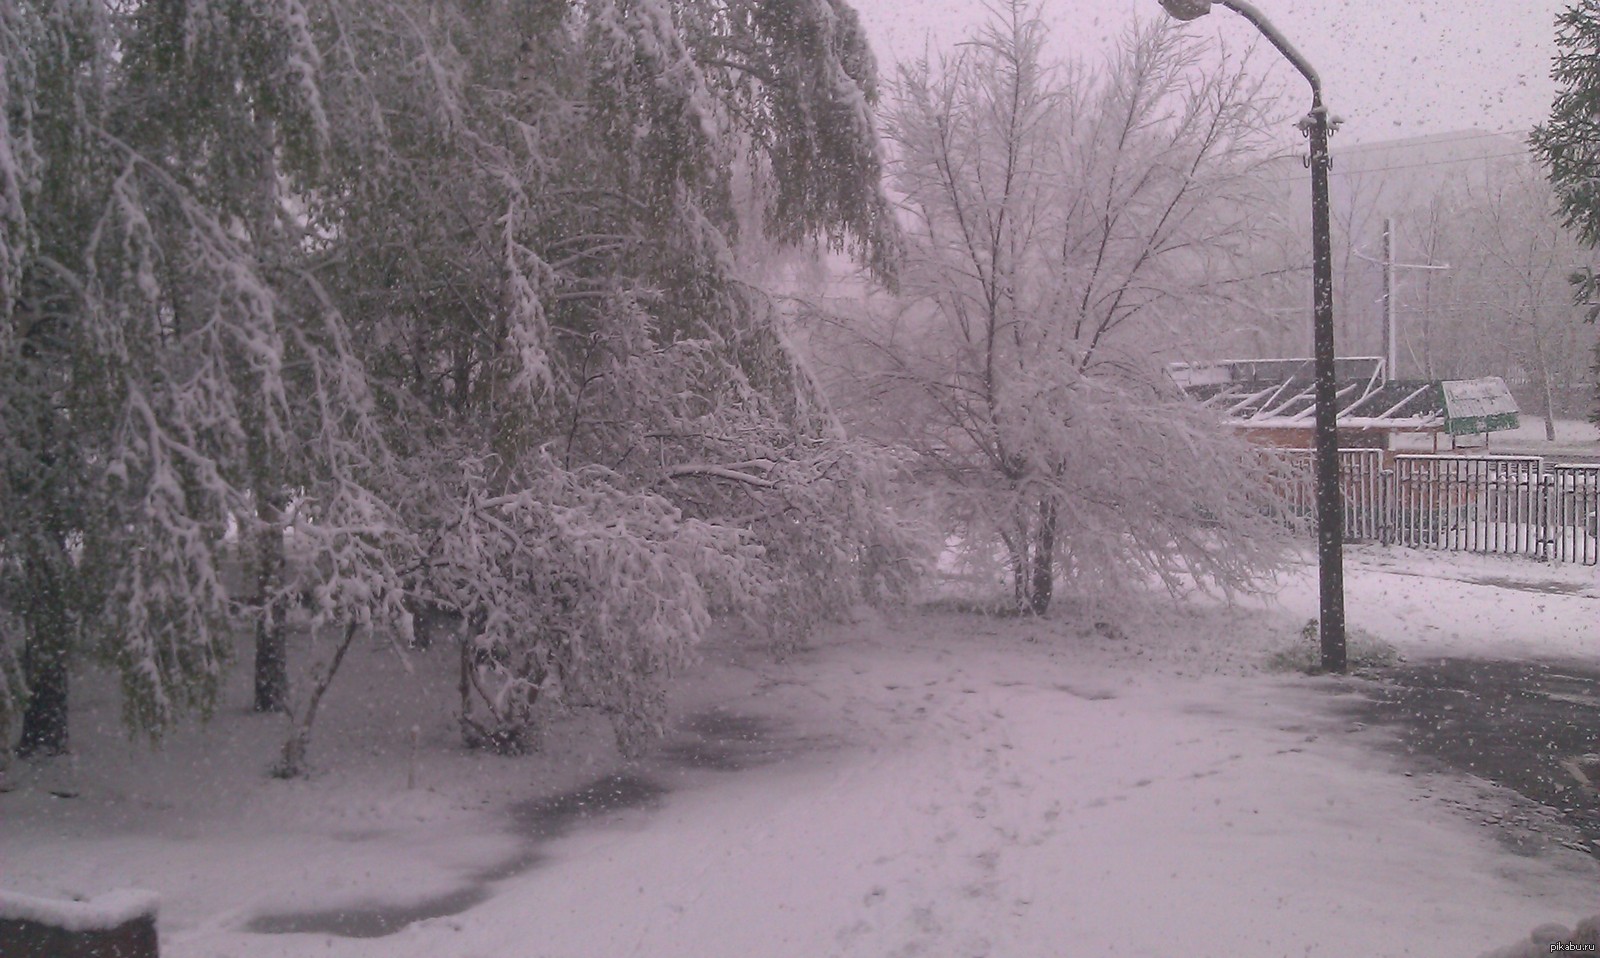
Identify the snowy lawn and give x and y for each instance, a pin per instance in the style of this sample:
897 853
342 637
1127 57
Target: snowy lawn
932 783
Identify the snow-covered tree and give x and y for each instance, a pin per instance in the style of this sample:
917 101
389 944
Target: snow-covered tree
438 306
338 274
1510 306
1063 222
566 314
167 358
1569 143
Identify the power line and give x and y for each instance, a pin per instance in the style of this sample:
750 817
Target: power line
1494 267
1424 142
1407 166
1460 136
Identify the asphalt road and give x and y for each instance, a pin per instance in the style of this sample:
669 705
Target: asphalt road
1525 725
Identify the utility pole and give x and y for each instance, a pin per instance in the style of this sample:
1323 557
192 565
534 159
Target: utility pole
1391 322
1330 496
1391 345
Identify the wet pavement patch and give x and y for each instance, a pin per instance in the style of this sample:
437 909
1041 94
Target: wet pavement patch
544 818
718 740
1519 724
368 921
715 740
1544 586
723 741
534 821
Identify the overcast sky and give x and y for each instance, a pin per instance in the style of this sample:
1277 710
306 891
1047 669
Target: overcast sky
1392 68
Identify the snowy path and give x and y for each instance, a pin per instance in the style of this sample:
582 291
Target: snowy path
940 785
995 796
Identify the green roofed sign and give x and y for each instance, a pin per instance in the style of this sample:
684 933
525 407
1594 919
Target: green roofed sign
1474 406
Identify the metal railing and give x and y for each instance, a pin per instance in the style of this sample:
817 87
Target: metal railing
1511 505
1360 478
1572 517
1490 504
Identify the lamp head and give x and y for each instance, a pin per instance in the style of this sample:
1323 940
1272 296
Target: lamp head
1186 9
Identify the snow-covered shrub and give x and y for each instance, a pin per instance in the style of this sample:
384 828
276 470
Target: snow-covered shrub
577 591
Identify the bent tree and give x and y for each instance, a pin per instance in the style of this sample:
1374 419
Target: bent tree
440 305
163 340
608 438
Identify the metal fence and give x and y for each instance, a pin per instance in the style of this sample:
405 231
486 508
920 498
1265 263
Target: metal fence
1361 477
1468 503
1513 505
1573 513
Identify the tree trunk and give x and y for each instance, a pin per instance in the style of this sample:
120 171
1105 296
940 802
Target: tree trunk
1017 555
1542 370
44 667
45 717
272 659
293 762
272 663
48 578
1044 560
44 721
465 684
1594 413
1549 411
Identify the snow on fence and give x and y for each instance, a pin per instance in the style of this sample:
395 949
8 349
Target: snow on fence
1512 505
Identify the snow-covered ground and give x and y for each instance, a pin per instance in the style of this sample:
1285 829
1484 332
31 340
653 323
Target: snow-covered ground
928 783
1575 438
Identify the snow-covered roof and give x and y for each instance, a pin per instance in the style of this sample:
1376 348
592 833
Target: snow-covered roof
1479 405
1281 394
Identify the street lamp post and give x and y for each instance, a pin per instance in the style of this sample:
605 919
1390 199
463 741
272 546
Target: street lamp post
1316 126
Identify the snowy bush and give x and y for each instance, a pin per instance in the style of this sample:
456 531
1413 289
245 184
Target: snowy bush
579 592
